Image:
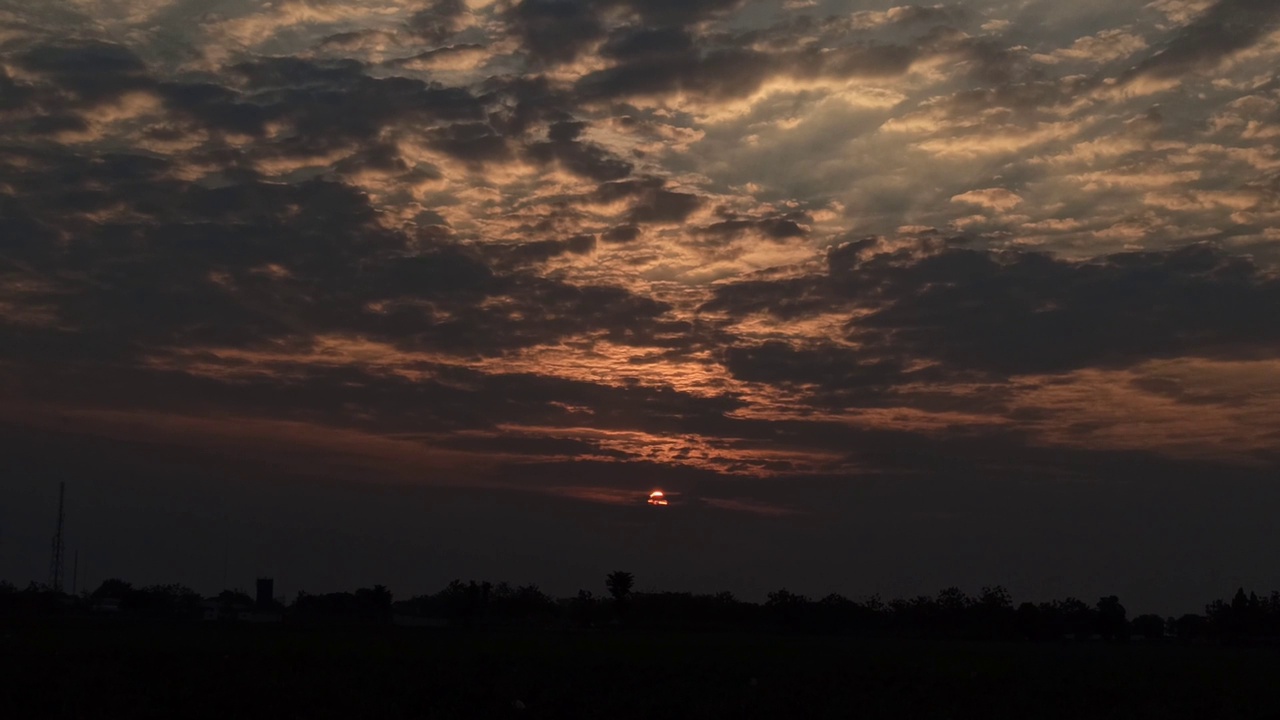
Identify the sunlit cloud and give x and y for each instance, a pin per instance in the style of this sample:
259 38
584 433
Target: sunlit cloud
715 237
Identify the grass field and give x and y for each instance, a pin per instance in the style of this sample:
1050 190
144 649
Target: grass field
282 672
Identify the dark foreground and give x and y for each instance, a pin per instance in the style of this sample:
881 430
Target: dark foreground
281 672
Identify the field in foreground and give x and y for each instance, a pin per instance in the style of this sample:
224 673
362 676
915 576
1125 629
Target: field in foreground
280 672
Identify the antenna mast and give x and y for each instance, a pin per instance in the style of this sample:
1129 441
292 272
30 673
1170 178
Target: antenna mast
55 563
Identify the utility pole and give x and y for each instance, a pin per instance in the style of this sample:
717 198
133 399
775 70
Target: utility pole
55 562
226 548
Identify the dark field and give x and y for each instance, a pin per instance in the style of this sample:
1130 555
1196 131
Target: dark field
282 672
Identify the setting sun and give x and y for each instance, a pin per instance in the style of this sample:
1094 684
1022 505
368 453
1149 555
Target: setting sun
657 497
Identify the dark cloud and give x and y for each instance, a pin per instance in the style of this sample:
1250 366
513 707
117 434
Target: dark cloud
1227 27
382 157
614 191
856 61
665 206
780 226
555 31
291 72
673 12
55 125
542 250
1024 313
651 202
439 21
92 70
509 444
406 398
429 57
473 142
565 131
829 367
215 106
185 271
365 107
1009 313
631 43
354 40
251 263
585 159
61 84
328 105
523 101
990 62
661 61
13 95
723 73
621 234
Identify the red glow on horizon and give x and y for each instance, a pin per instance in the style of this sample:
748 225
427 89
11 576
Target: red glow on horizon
657 497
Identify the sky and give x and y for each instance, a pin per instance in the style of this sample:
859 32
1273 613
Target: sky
885 297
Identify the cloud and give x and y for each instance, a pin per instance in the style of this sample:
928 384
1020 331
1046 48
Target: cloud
1018 312
584 159
998 199
649 200
1222 30
1107 46
555 31
748 506
439 20
595 244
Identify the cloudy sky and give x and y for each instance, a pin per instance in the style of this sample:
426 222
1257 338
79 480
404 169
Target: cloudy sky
887 297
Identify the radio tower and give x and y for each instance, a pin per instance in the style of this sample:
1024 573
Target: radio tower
55 563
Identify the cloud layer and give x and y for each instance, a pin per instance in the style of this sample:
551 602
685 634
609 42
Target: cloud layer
493 243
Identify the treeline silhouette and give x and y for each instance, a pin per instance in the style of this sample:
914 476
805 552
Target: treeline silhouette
951 614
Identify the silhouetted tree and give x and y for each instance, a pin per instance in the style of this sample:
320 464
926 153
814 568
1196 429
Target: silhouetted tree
236 598
1075 618
993 614
836 613
1110 620
1190 627
996 597
1271 617
525 604
1150 627
1244 617
1033 622
112 589
528 603
620 583
374 604
787 608
583 609
465 603
35 599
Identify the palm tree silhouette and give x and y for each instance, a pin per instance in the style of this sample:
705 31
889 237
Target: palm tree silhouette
620 583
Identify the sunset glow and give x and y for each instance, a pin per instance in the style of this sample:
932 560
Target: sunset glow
786 259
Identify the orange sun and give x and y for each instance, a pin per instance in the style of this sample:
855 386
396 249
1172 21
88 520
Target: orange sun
657 498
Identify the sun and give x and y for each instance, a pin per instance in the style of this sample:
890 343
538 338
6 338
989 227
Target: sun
657 497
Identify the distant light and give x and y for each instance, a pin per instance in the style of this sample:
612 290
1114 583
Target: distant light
657 498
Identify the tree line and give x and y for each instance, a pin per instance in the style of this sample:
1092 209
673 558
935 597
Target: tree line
992 614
